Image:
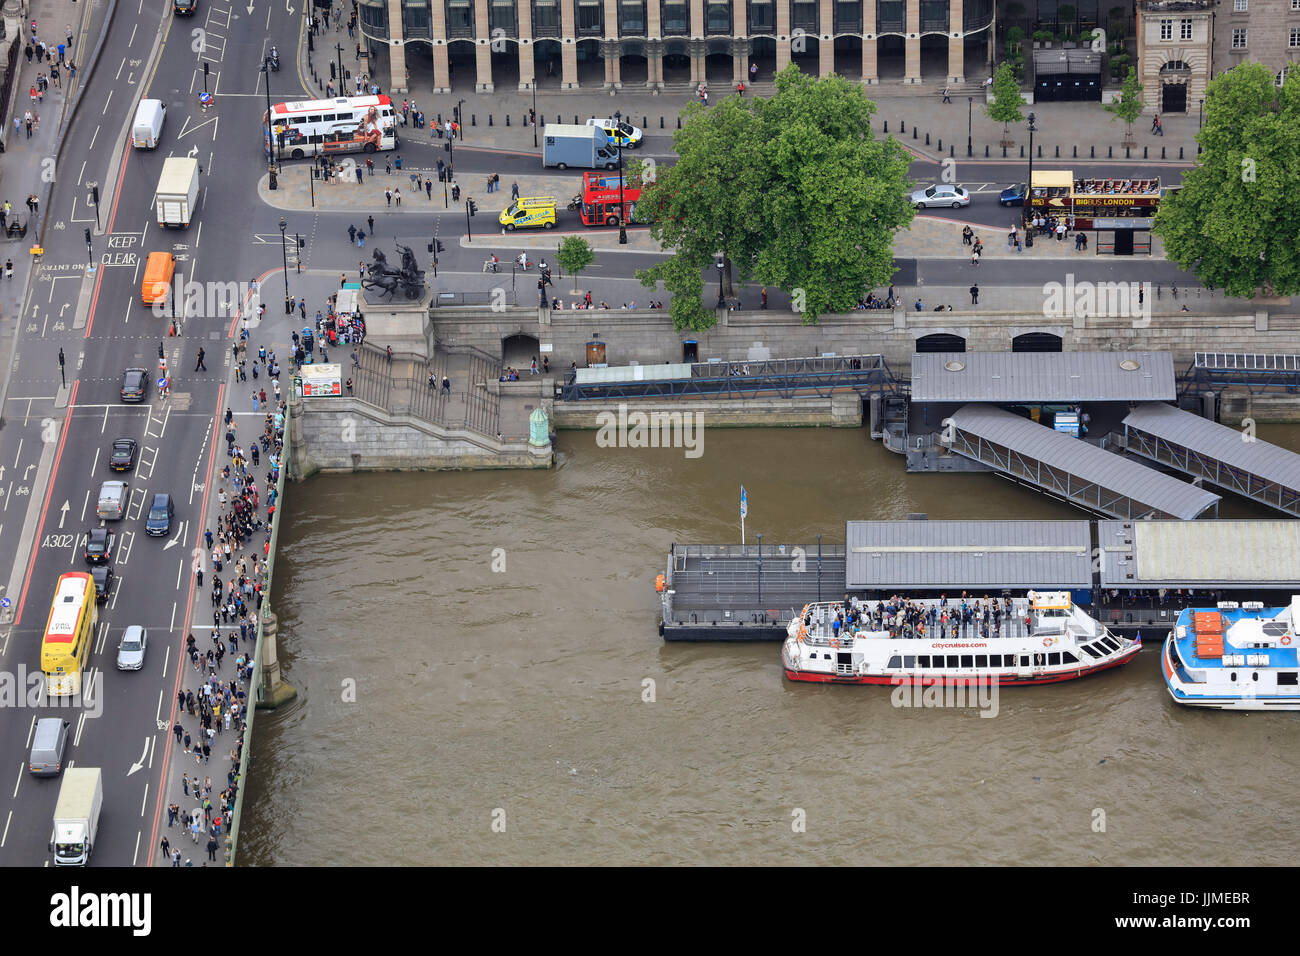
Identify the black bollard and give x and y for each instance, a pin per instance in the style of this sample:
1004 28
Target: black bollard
927 139
1162 152
1004 152
489 119
1092 152
886 129
1180 152
679 122
661 126
1110 152
1144 152
575 120
1126 153
645 122
1058 152
941 146
1022 151
473 120
913 131
1076 152
986 150
902 127
952 150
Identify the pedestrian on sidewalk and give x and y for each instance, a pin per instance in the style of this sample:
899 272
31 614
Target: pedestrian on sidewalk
975 294
68 31
753 72
200 367
966 235
397 196
514 190
352 234
446 385
388 196
370 221
947 95
361 238
428 189
165 848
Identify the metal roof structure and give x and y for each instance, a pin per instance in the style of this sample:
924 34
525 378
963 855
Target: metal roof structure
1254 553
1223 456
968 555
1037 377
1053 62
1070 468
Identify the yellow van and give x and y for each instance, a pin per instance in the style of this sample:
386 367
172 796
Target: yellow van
158 271
529 213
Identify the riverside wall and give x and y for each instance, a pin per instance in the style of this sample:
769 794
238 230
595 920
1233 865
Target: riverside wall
648 337
838 410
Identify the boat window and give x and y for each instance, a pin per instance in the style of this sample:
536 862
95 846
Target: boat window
967 660
924 660
1053 658
952 661
909 661
1110 643
895 661
1255 676
1232 676
826 657
981 660
1024 660
1286 678
1068 658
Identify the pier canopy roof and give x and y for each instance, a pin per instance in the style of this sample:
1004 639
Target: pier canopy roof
1043 377
1223 456
1070 468
1225 553
972 556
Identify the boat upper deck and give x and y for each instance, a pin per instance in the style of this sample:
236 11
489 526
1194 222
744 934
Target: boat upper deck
1231 636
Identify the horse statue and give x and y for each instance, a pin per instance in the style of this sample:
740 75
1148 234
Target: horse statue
387 280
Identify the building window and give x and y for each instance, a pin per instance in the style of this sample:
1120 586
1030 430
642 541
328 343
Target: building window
546 18
934 16
591 18
631 18
416 21
761 18
1184 29
890 16
460 19
1238 6
501 16
1281 75
1166 29
804 16
673 18
1239 38
848 16
374 18
717 18
1295 37
976 14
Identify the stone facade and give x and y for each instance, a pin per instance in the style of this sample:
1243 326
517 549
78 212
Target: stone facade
648 337
1267 37
345 434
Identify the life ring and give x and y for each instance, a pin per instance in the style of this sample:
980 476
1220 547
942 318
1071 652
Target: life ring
835 642
659 583
803 632
1286 639
1047 642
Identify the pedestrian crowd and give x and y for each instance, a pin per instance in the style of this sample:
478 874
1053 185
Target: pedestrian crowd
910 618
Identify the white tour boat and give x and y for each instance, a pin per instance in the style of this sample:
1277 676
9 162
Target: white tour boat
1043 638
1235 657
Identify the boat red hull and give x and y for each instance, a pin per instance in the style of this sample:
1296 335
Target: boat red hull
942 680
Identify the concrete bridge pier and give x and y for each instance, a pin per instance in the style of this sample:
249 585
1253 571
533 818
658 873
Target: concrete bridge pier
274 692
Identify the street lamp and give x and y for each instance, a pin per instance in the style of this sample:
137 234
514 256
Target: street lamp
1200 114
62 361
284 256
534 86
339 48
722 303
622 209
1029 183
460 118
970 111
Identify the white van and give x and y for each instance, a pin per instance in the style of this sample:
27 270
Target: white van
146 131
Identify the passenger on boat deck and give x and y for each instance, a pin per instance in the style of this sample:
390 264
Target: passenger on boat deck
835 628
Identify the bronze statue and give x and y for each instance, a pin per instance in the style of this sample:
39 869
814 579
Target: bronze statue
388 280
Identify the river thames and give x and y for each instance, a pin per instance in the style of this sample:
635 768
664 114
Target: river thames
474 651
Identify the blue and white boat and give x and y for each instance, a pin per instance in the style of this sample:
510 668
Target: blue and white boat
1235 657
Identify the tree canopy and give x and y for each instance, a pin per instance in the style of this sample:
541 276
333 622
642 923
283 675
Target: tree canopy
793 191
1007 99
1236 221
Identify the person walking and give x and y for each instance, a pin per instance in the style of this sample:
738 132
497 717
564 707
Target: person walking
212 848
514 190
199 366
947 95
165 847
975 294
370 221
361 238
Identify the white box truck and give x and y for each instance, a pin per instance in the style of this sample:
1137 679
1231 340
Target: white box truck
76 815
565 145
178 189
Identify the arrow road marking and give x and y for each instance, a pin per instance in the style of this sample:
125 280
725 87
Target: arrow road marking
63 512
140 763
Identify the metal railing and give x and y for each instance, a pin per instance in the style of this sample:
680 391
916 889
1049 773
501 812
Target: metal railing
255 691
786 378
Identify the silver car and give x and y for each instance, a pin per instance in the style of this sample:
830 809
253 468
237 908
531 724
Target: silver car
130 650
943 194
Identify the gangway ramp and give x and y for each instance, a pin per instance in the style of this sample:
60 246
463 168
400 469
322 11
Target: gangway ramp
1222 456
1070 468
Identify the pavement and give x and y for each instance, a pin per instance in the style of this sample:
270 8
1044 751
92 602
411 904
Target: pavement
911 115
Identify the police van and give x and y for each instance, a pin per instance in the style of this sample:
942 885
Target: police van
536 212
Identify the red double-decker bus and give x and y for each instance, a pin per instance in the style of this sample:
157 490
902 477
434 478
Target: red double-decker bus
600 196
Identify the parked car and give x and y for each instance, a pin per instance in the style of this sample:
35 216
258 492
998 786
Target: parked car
1012 195
160 516
122 457
103 577
943 194
135 384
130 650
99 546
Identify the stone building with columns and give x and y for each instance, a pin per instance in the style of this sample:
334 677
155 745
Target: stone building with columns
490 45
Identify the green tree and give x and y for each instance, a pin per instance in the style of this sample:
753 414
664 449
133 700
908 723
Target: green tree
1007 101
792 191
1128 105
1236 221
574 255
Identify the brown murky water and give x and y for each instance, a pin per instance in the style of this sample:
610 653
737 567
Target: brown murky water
515 696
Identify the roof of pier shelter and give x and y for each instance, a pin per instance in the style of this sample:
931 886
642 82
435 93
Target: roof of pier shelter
1043 377
968 555
1223 552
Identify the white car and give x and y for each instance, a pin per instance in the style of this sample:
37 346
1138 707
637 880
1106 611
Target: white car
130 650
944 194
619 133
